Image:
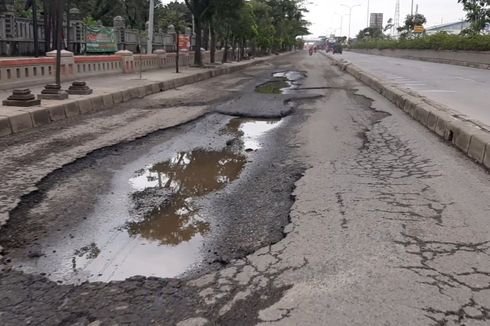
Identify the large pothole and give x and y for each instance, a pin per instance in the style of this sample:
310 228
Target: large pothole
151 215
284 82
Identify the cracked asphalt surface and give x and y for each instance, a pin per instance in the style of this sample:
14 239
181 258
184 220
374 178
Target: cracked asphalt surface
388 224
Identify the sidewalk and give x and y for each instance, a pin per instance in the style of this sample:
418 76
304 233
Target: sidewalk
108 91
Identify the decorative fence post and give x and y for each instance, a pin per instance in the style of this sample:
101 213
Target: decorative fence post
119 28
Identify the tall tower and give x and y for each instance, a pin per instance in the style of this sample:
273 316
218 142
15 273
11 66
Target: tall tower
396 22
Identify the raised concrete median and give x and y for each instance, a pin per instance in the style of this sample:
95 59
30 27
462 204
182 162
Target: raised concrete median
108 92
474 59
469 137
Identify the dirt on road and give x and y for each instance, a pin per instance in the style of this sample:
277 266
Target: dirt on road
311 202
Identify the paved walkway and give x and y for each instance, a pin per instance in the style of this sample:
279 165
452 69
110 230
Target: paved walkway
108 90
462 89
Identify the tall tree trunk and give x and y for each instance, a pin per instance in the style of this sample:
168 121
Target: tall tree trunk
233 50
47 25
197 53
213 41
35 29
59 31
67 37
225 54
242 49
178 53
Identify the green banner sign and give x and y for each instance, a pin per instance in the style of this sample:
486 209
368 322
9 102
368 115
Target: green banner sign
101 40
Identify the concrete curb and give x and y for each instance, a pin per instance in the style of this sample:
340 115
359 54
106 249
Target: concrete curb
468 137
23 119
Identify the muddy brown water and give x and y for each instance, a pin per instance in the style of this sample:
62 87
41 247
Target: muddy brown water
166 238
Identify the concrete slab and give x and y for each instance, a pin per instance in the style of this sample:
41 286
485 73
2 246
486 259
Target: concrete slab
479 141
127 95
40 116
57 113
141 91
108 101
72 109
486 158
149 90
117 97
20 121
5 128
461 133
86 106
155 87
97 103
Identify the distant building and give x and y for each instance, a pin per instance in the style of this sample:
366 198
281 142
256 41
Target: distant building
451 28
376 20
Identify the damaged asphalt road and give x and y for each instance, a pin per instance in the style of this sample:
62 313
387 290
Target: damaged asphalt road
326 206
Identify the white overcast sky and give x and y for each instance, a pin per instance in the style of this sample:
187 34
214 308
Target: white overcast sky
325 15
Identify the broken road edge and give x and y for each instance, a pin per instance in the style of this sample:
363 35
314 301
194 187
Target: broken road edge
471 137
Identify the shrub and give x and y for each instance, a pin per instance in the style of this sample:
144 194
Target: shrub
439 41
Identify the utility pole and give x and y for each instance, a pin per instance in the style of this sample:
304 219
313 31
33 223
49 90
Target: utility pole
341 24
367 20
341 21
411 10
350 14
151 24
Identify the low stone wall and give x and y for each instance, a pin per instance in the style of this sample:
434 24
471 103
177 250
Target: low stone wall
24 72
474 59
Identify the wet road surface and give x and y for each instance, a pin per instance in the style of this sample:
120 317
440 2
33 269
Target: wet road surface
151 219
346 213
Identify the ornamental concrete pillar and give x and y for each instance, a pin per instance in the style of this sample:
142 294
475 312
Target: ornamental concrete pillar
162 57
127 61
67 64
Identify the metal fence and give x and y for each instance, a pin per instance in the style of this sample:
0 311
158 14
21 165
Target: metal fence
17 37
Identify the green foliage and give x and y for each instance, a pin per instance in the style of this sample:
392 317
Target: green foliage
478 13
439 41
135 12
371 33
266 24
409 25
174 13
89 21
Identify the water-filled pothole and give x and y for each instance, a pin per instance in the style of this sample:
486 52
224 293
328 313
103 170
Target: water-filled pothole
281 83
162 230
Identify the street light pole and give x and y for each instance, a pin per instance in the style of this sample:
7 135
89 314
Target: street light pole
350 14
341 22
151 22
367 19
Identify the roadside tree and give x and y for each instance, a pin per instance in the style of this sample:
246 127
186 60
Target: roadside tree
477 13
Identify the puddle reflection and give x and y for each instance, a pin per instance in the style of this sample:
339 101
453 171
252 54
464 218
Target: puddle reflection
160 231
187 176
